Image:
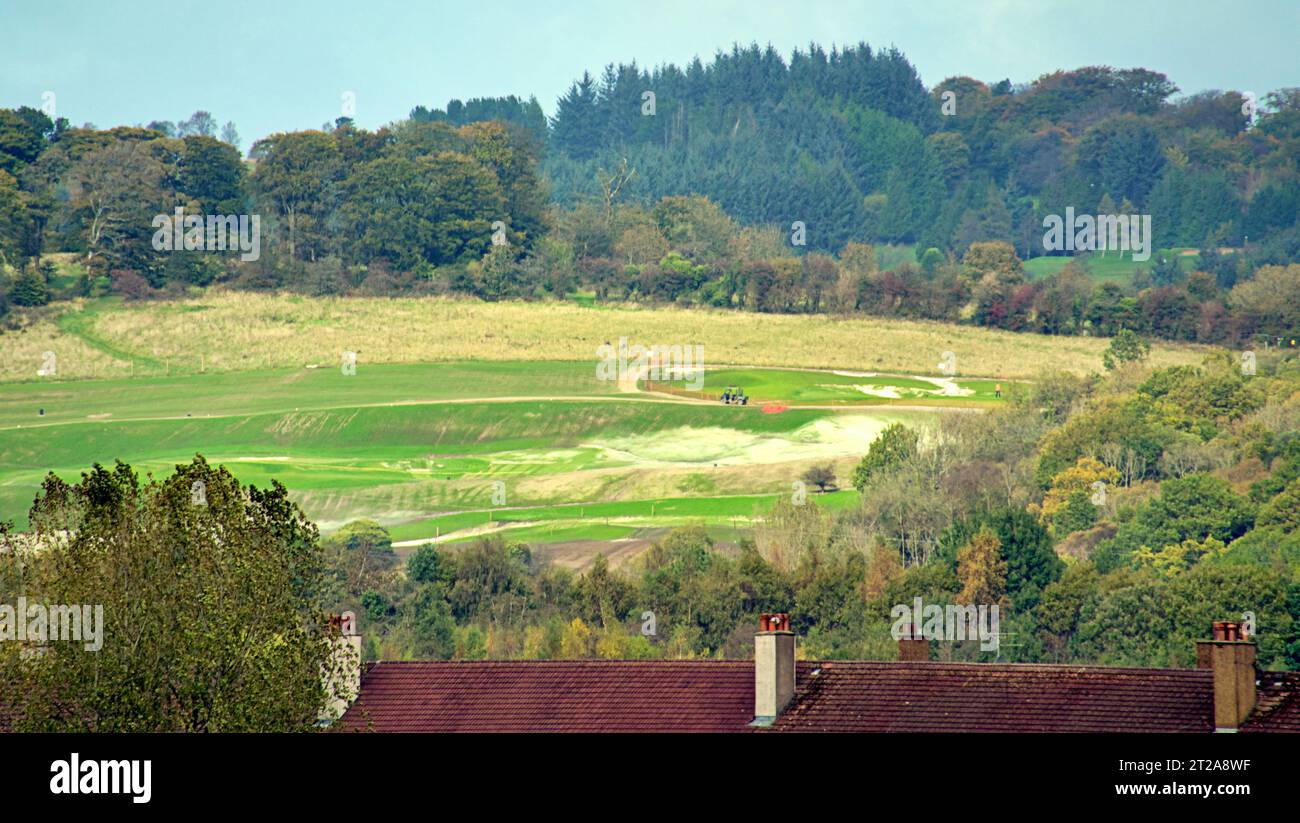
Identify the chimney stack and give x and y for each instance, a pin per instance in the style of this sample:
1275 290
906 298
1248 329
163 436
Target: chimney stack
343 680
1231 658
773 667
912 646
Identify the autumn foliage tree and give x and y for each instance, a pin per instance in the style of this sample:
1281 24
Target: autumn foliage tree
982 569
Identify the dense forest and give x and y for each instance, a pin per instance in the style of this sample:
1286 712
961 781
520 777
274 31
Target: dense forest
852 144
751 181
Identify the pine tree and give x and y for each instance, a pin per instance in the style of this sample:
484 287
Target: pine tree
575 127
30 289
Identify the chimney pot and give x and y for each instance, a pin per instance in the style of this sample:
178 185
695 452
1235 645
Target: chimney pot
774 622
1229 630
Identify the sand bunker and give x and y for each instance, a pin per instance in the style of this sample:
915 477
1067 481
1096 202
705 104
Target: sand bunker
824 438
943 387
880 391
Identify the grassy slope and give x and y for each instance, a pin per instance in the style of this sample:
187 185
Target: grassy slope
352 446
225 332
215 395
383 457
1113 266
578 521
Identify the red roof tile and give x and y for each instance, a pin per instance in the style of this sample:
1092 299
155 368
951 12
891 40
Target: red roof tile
1277 704
983 697
680 695
555 696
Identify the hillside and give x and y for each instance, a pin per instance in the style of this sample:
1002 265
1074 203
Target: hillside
225 332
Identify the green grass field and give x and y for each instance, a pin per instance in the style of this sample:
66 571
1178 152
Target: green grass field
445 451
464 417
285 390
644 512
1114 266
889 257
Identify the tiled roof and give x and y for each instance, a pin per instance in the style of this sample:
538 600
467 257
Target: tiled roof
1277 704
681 695
718 696
984 697
555 696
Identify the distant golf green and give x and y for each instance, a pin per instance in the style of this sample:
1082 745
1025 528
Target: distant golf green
797 387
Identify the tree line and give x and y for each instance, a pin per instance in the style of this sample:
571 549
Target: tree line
853 145
750 182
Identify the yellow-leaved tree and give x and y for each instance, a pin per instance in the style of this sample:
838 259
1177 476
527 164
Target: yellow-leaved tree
982 569
1077 495
577 642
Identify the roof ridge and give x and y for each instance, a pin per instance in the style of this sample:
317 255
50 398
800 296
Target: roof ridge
1047 667
575 660
677 661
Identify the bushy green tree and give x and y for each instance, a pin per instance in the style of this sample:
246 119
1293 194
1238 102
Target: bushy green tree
211 606
1125 347
895 445
1188 508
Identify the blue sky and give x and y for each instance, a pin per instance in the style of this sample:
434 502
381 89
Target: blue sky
276 66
